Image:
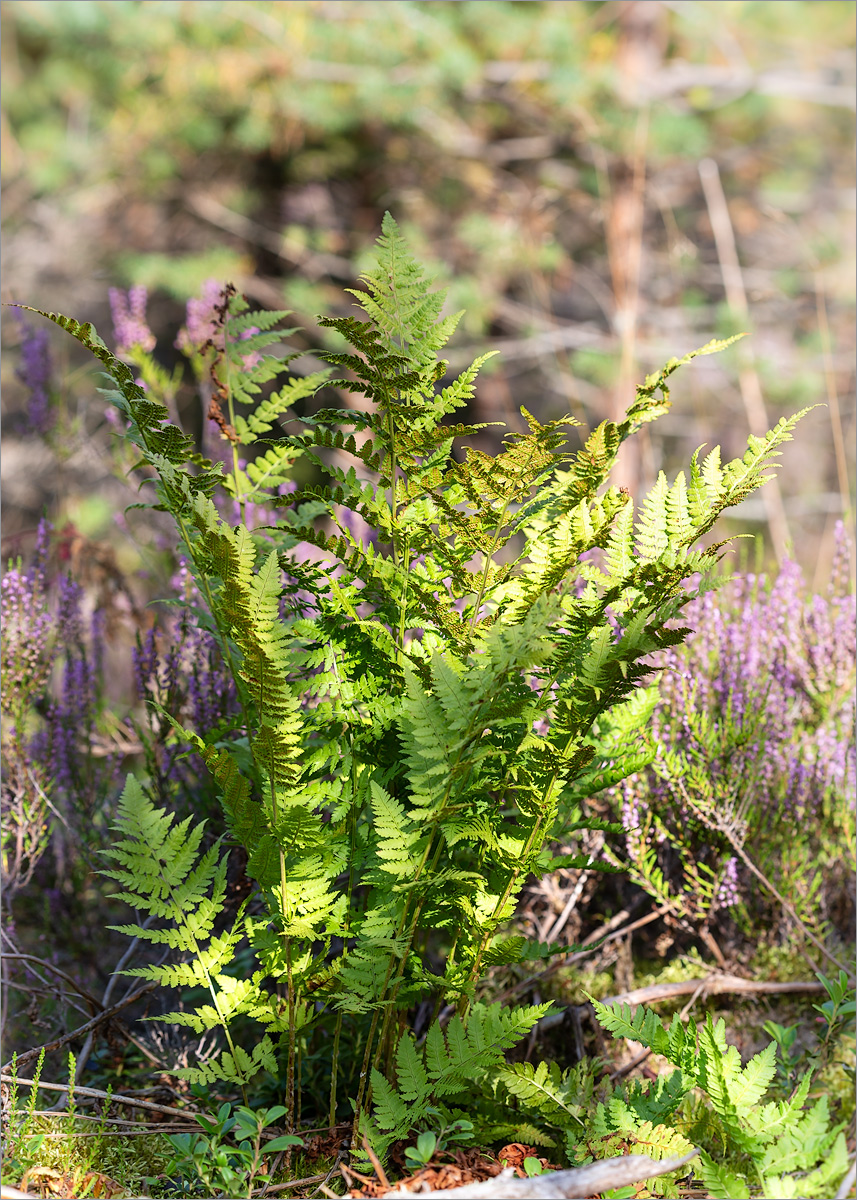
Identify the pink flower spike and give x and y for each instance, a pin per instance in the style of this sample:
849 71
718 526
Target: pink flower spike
130 328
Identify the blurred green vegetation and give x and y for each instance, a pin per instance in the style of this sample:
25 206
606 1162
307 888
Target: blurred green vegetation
542 155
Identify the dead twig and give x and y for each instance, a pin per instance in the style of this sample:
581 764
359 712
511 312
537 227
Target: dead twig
376 1163
715 985
96 1094
293 1183
748 377
314 264
52 1112
82 1031
562 1185
598 939
751 866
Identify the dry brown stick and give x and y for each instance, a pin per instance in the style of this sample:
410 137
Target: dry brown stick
748 862
81 991
833 407
748 376
95 1094
63 1113
315 264
715 985
599 938
135 1131
82 1031
293 1183
579 1183
376 1163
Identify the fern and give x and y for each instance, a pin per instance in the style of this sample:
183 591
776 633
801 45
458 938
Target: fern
544 1089
427 699
782 1147
453 1059
160 874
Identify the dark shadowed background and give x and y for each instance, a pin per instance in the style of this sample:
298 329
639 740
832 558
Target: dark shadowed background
602 186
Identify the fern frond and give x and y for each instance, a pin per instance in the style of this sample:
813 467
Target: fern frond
545 1089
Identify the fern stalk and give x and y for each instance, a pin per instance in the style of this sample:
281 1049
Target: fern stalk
334 1070
239 495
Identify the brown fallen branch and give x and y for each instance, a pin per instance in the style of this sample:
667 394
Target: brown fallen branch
715 985
314 264
294 1183
96 1094
608 933
47 966
577 1184
81 1031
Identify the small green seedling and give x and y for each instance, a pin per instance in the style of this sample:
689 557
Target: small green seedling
784 1036
430 1143
838 1011
223 1167
421 1155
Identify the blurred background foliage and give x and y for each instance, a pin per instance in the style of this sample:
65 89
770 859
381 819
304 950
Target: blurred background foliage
602 185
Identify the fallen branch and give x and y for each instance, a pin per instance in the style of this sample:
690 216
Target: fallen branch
715 985
81 1031
81 991
95 1094
562 1185
594 942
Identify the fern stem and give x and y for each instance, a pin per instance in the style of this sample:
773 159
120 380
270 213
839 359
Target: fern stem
367 1060
403 610
489 555
231 403
290 1068
535 832
334 1070
412 932
507 891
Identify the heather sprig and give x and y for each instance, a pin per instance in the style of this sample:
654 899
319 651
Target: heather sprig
27 651
130 327
755 726
35 371
29 643
178 670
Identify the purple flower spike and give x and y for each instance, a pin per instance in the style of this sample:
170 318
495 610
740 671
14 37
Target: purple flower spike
202 324
34 371
130 327
727 894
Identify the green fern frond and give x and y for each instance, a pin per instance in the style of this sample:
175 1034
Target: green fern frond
545 1089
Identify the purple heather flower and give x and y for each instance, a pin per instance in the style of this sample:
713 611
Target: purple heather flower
761 696
145 660
727 894
201 322
130 328
28 644
34 370
203 325
69 619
